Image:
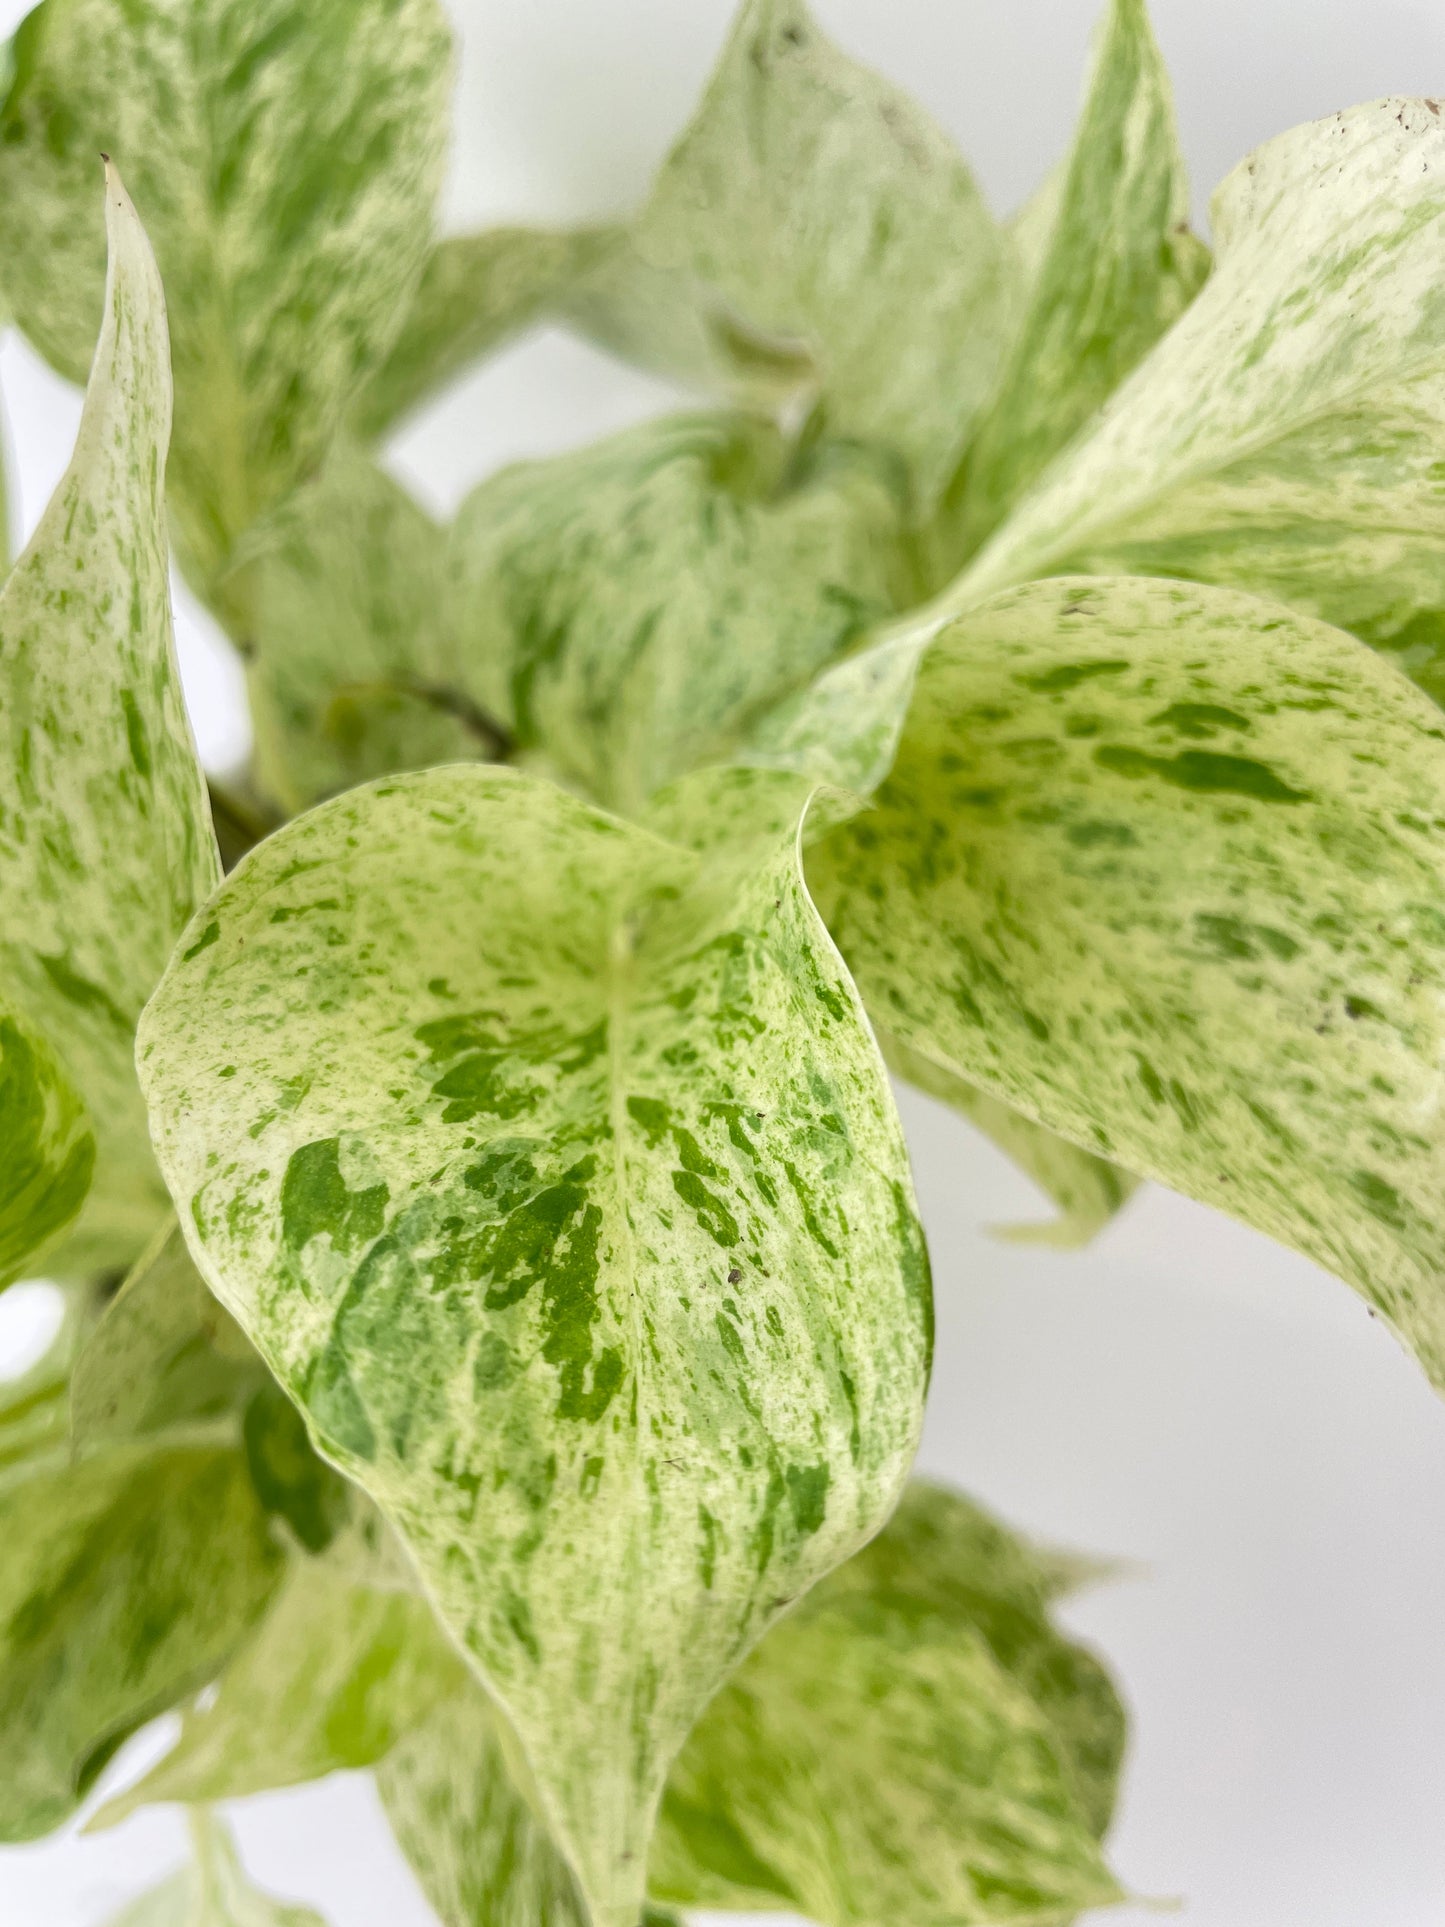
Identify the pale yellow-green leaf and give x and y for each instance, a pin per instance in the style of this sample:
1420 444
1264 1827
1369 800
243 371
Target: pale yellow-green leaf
105 839
127 1580
630 611
347 1660
1160 866
1087 1190
285 158
553 1170
346 591
214 1890
824 206
476 292
164 1354
912 1743
1287 436
1111 264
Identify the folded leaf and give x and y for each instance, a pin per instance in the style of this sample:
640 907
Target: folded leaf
213 1891
105 840
1287 435
823 205
914 1742
346 585
127 1580
553 1171
1160 866
347 1660
1087 1190
629 611
1119 266
286 158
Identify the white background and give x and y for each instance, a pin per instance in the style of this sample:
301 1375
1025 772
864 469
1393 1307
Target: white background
1185 1394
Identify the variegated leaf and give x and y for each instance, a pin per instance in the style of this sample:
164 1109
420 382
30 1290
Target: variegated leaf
1117 268
629 612
1287 436
127 1580
213 1891
554 1173
163 1355
822 205
346 590
105 840
285 157
913 1742
1160 866
474 1843
347 1661
1087 1190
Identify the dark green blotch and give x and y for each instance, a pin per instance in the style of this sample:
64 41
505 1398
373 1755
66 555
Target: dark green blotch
289 1478
1199 719
1204 771
211 934
315 1200
808 1496
1057 682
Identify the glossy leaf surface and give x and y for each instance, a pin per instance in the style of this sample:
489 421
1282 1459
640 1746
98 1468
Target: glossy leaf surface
1159 865
553 1171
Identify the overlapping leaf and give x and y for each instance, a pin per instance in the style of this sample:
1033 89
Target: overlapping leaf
285 158
345 678
914 1742
823 206
105 841
1115 266
347 1661
213 1891
1160 866
630 611
127 1580
554 1173
1087 1190
1286 436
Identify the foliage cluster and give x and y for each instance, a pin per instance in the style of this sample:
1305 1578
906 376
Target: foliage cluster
1022 667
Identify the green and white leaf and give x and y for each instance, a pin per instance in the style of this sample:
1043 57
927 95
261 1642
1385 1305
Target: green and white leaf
213 1891
1111 265
165 1354
913 1742
630 612
346 586
348 1659
1159 866
1087 1190
1287 435
105 840
478 1850
127 1580
821 204
553 1170
286 158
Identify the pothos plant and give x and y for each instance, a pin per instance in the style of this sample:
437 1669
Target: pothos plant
498 1319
